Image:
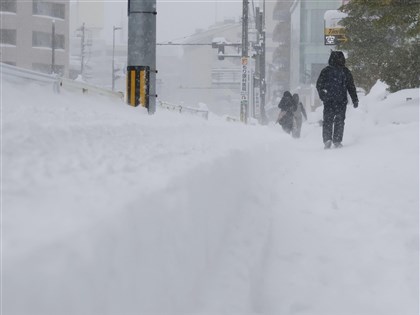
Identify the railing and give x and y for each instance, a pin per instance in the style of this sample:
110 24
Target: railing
57 82
88 88
16 72
184 109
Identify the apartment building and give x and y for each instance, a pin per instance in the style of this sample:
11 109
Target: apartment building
29 29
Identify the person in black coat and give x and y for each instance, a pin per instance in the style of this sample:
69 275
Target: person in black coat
287 107
299 113
333 83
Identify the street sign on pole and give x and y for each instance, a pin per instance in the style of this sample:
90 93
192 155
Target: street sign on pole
244 63
334 33
334 36
244 88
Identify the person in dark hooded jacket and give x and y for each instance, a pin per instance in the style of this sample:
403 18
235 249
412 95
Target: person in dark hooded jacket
298 114
287 107
333 83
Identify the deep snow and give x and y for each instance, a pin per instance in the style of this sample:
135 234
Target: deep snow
107 210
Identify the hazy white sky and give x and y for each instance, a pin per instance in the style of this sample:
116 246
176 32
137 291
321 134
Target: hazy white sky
179 18
176 18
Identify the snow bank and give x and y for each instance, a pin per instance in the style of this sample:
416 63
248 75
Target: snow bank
107 210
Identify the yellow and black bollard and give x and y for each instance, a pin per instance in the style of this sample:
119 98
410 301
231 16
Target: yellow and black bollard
138 86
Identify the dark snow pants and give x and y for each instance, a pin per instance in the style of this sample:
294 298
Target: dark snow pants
333 124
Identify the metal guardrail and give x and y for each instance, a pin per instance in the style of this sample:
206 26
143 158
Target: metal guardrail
13 72
184 109
87 88
16 72
58 82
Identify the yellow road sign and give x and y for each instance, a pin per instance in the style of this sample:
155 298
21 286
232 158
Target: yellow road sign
334 31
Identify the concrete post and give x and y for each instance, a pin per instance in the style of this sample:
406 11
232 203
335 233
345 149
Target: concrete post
263 86
53 47
82 51
244 62
142 52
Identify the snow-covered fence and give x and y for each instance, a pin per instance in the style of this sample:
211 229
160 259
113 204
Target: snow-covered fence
185 109
57 82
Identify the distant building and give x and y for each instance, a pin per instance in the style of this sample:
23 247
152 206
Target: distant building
207 79
308 52
213 80
26 35
278 51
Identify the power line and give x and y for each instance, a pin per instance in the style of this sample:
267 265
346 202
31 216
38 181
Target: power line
186 44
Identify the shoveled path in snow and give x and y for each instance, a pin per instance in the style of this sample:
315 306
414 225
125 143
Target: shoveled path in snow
109 211
322 232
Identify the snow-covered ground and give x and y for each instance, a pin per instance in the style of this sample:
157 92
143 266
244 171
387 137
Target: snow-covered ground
107 210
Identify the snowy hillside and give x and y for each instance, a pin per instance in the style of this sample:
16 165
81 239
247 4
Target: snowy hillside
107 210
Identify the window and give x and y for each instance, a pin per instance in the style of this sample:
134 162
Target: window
317 26
8 6
8 37
42 39
40 8
57 10
59 41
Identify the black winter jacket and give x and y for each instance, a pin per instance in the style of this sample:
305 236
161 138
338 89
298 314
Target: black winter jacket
335 80
286 103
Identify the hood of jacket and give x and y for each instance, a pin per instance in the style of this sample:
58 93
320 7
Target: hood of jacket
287 94
296 98
337 59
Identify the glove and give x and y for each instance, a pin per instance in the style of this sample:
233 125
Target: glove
356 104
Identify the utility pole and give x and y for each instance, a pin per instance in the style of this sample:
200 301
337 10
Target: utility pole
244 63
53 47
82 50
263 88
259 82
141 61
114 28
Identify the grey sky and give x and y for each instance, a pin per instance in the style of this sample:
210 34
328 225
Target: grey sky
176 18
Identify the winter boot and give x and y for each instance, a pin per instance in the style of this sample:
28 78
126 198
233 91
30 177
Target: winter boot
327 144
338 145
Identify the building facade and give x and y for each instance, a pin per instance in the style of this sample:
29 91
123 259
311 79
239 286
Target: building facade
206 78
278 48
35 35
308 53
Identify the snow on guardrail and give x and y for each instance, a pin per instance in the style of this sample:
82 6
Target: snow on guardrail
57 82
16 72
184 109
